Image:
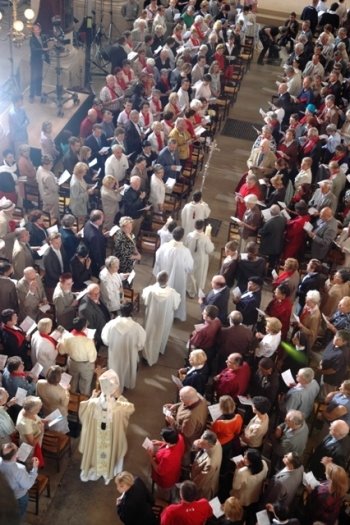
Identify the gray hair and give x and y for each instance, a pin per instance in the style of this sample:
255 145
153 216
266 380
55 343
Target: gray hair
307 373
314 295
210 437
296 416
112 259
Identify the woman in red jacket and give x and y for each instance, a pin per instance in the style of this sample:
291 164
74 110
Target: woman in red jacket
295 236
281 307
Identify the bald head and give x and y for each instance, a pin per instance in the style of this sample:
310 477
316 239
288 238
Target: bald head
92 115
339 429
275 210
188 395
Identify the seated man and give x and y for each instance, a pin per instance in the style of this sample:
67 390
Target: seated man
234 379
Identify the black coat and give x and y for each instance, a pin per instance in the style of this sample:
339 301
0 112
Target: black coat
247 305
96 244
132 203
79 274
220 300
133 139
70 242
339 451
117 54
272 236
135 506
97 315
92 143
311 281
37 235
197 378
53 268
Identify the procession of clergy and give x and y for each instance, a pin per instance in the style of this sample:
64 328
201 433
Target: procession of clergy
64 300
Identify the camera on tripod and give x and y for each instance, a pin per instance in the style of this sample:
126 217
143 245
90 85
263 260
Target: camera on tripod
58 34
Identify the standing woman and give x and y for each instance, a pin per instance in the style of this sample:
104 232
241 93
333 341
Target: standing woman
135 500
38 52
125 247
79 194
47 144
48 188
30 426
110 197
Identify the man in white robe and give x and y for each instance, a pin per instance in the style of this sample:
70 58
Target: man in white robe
176 260
196 210
200 246
125 338
104 418
161 301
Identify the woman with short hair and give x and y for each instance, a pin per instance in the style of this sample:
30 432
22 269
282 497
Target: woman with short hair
54 396
135 500
43 345
30 426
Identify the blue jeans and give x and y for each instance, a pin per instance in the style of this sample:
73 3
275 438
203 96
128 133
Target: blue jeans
23 504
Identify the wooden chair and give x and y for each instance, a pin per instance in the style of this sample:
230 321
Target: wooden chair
31 194
231 92
172 206
56 445
233 232
132 297
148 242
181 191
41 484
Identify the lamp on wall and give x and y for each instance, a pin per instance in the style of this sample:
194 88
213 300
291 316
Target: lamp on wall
20 29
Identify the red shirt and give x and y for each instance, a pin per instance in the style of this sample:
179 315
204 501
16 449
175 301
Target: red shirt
282 310
168 461
205 338
86 128
244 191
183 513
233 382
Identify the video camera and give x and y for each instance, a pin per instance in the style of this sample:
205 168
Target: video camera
58 34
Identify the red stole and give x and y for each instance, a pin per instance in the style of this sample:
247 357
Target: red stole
158 105
146 119
159 141
77 332
49 338
18 334
122 84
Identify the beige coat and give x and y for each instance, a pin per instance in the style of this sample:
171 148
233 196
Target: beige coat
206 469
191 422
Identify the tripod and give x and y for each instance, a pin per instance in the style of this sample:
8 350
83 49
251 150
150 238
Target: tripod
97 52
59 95
111 23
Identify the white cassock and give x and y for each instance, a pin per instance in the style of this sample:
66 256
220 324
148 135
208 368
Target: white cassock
161 304
200 247
192 212
124 338
175 259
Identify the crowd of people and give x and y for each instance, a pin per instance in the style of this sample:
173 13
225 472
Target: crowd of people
268 363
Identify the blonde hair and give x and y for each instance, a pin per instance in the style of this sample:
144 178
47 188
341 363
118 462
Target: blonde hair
32 402
45 325
273 324
125 220
227 405
173 97
339 480
80 168
277 179
199 357
291 264
107 181
233 509
125 477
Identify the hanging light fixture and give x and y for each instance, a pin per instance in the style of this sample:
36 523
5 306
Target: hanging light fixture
18 26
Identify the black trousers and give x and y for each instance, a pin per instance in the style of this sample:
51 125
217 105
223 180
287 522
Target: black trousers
36 78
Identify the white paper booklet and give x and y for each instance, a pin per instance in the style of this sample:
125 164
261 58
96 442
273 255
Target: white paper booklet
177 381
288 377
20 396
65 380
214 411
216 506
23 452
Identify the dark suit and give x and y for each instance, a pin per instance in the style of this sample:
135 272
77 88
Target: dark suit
272 236
132 203
198 379
92 142
133 139
233 339
117 54
53 268
97 315
70 242
339 451
69 160
37 235
8 295
96 244
137 502
168 159
310 13
247 305
311 281
220 300
36 64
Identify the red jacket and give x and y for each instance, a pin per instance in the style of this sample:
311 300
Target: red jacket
282 310
233 382
168 461
184 513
